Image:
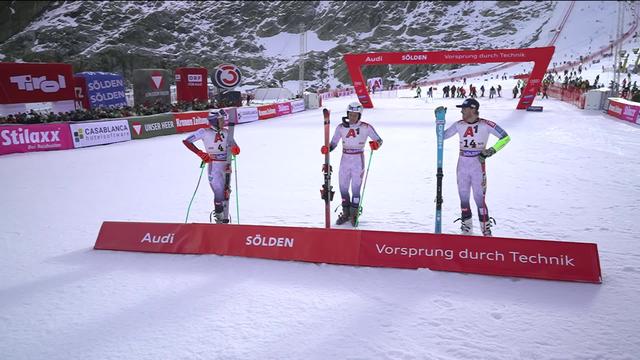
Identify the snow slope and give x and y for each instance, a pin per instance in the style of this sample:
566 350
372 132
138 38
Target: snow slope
568 175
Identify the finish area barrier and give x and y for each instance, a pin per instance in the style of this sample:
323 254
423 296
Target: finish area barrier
538 259
539 56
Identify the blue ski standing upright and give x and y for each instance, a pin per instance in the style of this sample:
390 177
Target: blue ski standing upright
440 122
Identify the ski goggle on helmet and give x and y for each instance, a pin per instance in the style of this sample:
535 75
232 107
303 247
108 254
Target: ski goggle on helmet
215 115
354 107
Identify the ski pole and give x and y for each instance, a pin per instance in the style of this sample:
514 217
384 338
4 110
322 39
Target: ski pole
364 185
235 171
196 190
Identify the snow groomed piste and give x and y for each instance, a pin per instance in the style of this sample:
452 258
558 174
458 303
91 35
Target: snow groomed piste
539 259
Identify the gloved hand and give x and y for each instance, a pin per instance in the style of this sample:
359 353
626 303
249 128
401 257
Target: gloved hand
235 150
324 149
204 156
440 111
487 152
374 145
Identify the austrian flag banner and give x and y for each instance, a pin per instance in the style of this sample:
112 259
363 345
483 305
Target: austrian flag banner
538 259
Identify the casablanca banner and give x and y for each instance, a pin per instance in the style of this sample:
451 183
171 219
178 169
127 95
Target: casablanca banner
539 56
538 259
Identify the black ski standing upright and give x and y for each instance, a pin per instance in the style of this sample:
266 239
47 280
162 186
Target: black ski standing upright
227 175
326 193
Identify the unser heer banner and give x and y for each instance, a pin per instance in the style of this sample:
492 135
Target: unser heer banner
144 127
151 86
297 106
100 133
35 82
267 111
40 137
539 259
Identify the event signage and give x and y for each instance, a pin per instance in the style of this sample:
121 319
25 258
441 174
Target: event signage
246 114
80 88
144 127
267 111
104 89
100 133
539 259
297 106
35 82
191 84
283 108
624 110
191 121
226 76
38 137
151 86
539 56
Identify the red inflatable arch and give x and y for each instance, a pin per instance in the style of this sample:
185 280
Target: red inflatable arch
539 56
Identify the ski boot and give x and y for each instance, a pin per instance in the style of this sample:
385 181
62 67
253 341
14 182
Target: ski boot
466 225
344 216
486 226
353 217
216 217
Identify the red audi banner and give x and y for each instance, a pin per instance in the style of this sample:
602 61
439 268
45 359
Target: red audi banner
539 56
35 82
539 259
191 84
267 111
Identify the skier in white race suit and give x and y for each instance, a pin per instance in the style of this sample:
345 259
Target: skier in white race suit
215 139
474 134
353 133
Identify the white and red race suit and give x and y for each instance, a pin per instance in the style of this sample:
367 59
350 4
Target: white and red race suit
354 138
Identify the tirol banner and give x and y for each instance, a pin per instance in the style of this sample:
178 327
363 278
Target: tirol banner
104 89
35 82
40 137
150 86
100 132
539 56
144 127
538 259
191 121
191 84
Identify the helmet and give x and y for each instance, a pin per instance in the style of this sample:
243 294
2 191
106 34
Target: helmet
215 115
355 107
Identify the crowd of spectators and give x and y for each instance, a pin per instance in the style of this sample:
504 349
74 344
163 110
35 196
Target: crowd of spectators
39 117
